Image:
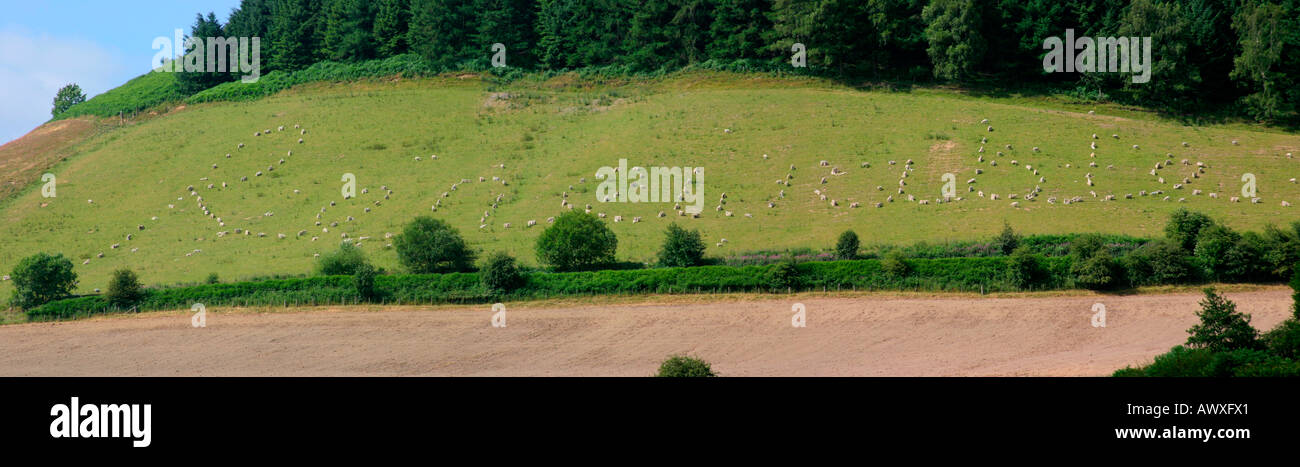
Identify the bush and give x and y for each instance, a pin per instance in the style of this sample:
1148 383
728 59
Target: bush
344 261
124 289
1026 269
682 248
500 274
1159 262
1215 252
213 279
576 241
848 245
1242 362
784 275
1180 361
1007 241
1098 272
893 265
363 279
1284 340
42 278
680 366
1184 227
428 245
1222 327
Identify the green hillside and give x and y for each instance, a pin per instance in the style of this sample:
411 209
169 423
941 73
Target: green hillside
552 134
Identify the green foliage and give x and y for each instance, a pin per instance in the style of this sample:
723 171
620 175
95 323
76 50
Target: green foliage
67 97
196 61
363 280
577 240
1159 262
682 248
500 274
1184 227
1007 241
784 275
848 245
1222 327
212 278
124 289
344 261
428 245
1284 340
893 264
681 366
1027 270
956 43
1181 361
143 92
1092 265
41 278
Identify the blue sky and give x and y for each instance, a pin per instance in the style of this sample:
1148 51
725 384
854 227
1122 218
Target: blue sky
98 44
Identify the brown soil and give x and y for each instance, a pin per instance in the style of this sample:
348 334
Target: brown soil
741 336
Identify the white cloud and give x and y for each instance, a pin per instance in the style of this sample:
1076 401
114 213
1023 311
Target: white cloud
33 66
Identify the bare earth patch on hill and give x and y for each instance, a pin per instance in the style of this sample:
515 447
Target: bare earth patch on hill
845 336
23 160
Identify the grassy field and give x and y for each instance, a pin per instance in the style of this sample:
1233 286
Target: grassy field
551 134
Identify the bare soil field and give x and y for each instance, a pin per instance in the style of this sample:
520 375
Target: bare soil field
861 335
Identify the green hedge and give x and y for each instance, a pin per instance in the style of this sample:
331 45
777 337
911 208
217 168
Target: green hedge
945 274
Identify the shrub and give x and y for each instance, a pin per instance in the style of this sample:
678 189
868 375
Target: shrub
1295 295
1214 251
784 275
124 289
344 261
848 245
1222 327
1284 340
1241 362
893 265
1098 272
1180 361
1007 241
42 278
680 366
428 245
1087 245
213 279
576 241
500 274
682 248
1184 227
1159 262
1279 251
363 279
1025 268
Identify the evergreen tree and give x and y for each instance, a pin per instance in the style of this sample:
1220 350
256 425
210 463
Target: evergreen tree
392 18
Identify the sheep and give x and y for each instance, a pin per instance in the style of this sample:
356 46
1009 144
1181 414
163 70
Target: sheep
971 181
1214 195
1234 199
1196 192
1286 204
1235 142
924 201
1256 200
1015 204
993 197
880 205
1128 196
854 205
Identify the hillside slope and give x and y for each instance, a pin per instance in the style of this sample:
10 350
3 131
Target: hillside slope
551 135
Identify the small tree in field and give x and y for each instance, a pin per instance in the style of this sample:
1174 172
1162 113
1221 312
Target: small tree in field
42 278
575 241
344 261
1007 241
500 274
682 248
124 289
681 366
429 245
67 96
1222 327
847 246
363 279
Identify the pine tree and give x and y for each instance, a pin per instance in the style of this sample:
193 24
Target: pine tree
392 18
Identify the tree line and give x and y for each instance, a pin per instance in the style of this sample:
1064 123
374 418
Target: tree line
1237 56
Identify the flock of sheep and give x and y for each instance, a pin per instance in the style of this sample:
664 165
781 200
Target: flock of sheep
1180 182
